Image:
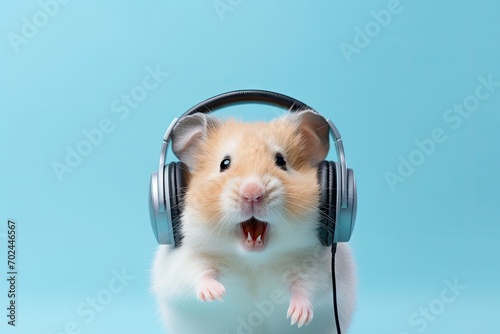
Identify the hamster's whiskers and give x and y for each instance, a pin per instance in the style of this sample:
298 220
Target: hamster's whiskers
287 224
225 221
328 229
209 237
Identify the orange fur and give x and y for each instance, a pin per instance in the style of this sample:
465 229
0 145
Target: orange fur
216 259
254 156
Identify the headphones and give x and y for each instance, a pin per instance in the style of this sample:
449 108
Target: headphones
338 198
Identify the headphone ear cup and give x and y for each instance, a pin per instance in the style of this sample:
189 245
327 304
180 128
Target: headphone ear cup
327 179
177 183
347 216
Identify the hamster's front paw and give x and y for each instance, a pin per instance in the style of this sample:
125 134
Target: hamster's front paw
210 289
300 310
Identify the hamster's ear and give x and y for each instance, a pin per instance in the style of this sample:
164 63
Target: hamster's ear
314 130
187 136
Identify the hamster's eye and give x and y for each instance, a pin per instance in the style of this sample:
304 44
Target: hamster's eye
225 164
280 161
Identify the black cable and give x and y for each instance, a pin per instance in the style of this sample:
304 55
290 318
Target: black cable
334 285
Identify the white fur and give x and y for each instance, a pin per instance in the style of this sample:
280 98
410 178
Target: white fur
212 284
250 282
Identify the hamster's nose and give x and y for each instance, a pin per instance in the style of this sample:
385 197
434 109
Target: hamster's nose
252 192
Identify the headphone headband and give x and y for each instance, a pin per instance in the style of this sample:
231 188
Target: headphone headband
247 96
337 201
244 97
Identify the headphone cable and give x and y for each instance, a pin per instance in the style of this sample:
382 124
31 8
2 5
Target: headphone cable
334 285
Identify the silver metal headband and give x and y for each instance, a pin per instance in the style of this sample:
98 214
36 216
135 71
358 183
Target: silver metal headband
250 96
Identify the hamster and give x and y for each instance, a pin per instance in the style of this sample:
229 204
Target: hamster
250 259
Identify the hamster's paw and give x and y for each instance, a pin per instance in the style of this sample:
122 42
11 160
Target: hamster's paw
300 310
210 289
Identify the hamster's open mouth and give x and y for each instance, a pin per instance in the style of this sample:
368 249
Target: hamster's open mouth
254 233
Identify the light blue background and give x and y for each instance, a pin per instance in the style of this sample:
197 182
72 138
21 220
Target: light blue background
441 224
